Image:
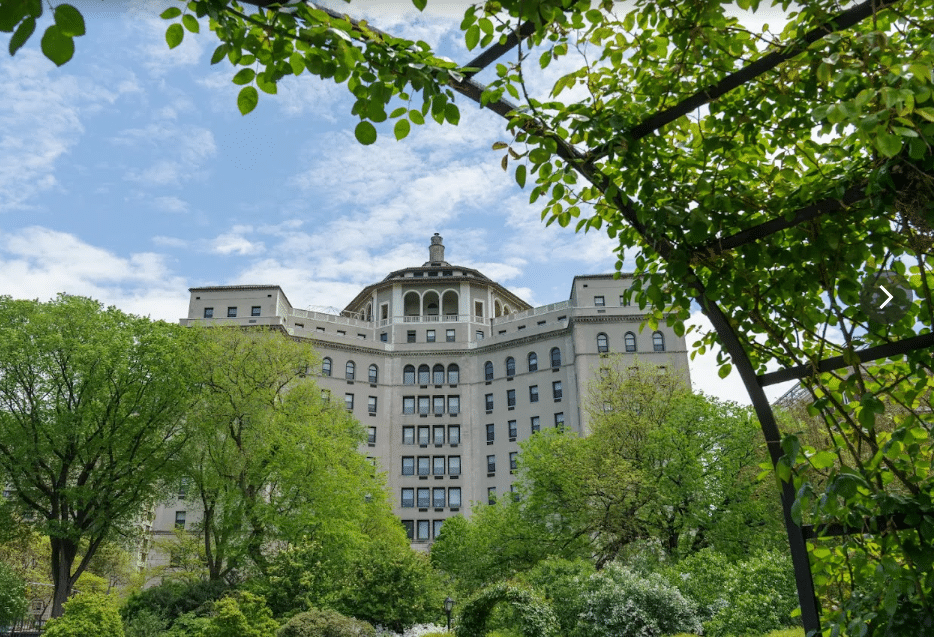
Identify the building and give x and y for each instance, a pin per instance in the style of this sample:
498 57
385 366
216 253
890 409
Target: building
450 371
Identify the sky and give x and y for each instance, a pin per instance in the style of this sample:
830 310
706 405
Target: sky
128 175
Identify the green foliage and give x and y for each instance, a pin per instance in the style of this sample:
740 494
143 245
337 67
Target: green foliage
620 603
87 615
19 17
240 615
145 624
534 615
13 602
170 600
561 582
325 623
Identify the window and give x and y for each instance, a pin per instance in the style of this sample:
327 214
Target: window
437 373
371 405
491 464
479 335
423 466
424 375
449 336
510 397
491 495
556 390
658 342
437 497
599 301
535 424
454 434
326 367
325 395
209 312
231 312
490 433
408 465
513 430
183 489
489 402
350 370
454 465
454 497
488 370
510 366
408 435
513 456
478 309
630 341
410 336
408 375
559 420
374 373
430 336
384 337
348 401
180 519
533 394
424 497
408 404
454 405
371 435
603 344
436 528
409 526
408 498
424 435
255 310
423 405
454 374
439 435
438 405
533 362
555 357
437 465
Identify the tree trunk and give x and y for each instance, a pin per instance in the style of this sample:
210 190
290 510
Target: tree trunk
63 557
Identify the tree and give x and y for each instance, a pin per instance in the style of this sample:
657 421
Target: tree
13 602
91 407
271 460
87 615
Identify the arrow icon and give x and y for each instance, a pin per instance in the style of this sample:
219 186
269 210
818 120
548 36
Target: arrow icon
887 294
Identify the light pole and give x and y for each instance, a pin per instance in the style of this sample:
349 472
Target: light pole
448 607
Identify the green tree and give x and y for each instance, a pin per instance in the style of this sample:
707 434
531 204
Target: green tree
87 615
271 460
240 615
13 602
91 406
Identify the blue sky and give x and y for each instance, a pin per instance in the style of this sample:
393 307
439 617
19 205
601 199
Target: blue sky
129 175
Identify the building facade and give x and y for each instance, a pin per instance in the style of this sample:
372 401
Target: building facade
449 371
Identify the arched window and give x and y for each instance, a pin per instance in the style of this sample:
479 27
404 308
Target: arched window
326 367
658 342
603 344
630 340
533 362
454 374
555 357
374 373
408 375
424 375
488 370
510 366
437 373
351 368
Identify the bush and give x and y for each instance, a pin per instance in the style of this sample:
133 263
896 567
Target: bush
173 599
561 582
240 615
87 615
145 623
619 603
702 578
13 602
325 623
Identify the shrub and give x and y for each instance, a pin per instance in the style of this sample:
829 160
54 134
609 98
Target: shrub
561 582
325 623
173 599
534 615
240 615
13 602
145 623
87 615
702 578
620 603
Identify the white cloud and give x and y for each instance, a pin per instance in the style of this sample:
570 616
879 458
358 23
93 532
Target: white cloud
234 242
170 204
37 262
181 150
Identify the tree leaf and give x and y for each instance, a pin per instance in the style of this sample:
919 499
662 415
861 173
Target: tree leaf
402 128
451 113
247 99
520 175
22 33
69 20
724 370
219 53
191 23
57 46
500 145
171 12
420 4
244 76
416 117
888 144
174 35
472 37
365 133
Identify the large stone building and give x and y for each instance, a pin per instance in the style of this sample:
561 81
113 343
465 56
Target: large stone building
450 371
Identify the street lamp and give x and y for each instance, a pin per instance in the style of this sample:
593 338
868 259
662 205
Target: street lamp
448 607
